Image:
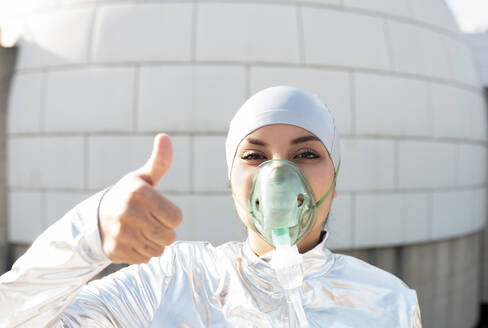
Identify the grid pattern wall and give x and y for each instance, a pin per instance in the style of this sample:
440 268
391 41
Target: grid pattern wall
96 80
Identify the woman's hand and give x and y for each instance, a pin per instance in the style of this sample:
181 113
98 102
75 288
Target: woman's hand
136 222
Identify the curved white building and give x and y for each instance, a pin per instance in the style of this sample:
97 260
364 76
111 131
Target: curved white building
96 80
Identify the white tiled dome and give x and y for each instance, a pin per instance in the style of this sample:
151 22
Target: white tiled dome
95 81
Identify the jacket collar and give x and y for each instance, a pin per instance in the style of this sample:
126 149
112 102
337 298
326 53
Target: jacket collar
260 278
313 260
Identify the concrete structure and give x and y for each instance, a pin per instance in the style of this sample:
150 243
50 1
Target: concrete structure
7 64
479 46
98 79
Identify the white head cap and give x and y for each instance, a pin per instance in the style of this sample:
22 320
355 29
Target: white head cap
285 105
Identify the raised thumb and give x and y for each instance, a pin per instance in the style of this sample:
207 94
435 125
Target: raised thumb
160 161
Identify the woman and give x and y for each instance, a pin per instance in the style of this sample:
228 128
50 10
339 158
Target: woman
282 144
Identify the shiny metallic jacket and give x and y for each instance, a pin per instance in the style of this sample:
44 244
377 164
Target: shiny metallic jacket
193 284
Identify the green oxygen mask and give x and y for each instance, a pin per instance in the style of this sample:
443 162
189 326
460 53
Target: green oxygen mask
281 204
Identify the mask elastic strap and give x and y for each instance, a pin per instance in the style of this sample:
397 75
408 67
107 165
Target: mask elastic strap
332 185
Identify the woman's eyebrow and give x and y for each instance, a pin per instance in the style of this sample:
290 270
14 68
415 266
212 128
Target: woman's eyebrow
304 139
256 142
293 142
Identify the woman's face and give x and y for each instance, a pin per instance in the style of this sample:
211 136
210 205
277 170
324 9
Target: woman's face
284 141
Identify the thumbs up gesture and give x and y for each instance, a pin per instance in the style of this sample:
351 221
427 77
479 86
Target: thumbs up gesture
136 222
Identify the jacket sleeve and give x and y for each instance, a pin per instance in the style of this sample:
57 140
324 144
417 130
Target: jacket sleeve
128 298
416 320
46 279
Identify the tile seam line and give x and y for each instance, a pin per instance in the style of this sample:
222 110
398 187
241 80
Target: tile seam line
301 33
308 4
344 136
201 192
42 104
135 99
194 31
86 162
91 34
338 68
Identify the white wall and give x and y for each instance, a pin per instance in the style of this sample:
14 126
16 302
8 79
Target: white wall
96 80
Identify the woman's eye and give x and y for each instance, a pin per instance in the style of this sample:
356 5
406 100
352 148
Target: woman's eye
307 155
251 156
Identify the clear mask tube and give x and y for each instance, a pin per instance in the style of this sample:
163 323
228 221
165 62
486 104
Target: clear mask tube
287 263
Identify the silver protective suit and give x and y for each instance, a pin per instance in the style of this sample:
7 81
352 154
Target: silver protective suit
193 284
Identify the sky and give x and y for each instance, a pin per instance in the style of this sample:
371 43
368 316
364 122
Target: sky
471 15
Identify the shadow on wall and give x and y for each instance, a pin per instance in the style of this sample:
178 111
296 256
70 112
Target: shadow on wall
8 58
483 322
43 55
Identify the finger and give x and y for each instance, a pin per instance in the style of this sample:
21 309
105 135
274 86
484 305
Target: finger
157 234
159 162
143 245
126 254
153 246
137 257
146 249
165 211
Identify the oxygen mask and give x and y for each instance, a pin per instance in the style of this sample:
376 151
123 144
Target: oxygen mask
281 205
